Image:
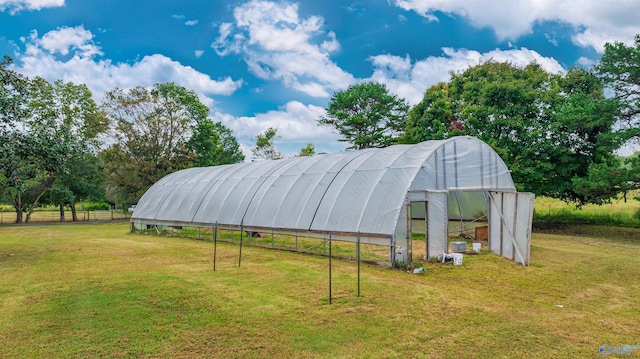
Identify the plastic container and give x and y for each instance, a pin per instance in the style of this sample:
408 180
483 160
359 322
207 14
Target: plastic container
477 247
458 247
457 259
401 255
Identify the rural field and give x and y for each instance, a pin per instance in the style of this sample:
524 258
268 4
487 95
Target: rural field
95 290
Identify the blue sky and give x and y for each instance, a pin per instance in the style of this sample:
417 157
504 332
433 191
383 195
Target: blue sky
260 64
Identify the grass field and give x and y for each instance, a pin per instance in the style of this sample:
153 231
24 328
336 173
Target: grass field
78 291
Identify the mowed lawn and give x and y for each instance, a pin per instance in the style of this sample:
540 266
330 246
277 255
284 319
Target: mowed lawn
79 291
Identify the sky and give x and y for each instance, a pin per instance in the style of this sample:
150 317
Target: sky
259 64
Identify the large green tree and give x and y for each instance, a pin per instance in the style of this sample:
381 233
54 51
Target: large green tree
58 121
151 129
619 68
366 115
214 144
550 129
75 122
13 108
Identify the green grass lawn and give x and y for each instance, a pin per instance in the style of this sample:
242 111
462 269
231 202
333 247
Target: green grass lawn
78 291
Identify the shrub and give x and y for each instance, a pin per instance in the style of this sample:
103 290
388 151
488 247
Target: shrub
95 206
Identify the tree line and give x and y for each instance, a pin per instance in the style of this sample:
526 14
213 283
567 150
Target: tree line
557 133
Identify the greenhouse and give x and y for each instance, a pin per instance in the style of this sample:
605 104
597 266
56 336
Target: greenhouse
373 196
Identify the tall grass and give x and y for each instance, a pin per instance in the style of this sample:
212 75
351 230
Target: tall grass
616 213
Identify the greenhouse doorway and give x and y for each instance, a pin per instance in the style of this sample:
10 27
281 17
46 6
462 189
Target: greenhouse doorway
466 220
469 217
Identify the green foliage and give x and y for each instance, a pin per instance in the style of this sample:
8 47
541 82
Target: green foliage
307 150
619 69
569 216
151 130
550 130
214 144
265 147
13 95
432 118
618 213
95 206
366 115
59 121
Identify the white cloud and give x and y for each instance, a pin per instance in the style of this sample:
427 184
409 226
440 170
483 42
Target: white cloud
295 122
595 21
79 63
410 80
191 22
67 39
15 6
198 53
277 45
585 62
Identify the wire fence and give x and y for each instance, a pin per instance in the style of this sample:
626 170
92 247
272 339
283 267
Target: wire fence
54 216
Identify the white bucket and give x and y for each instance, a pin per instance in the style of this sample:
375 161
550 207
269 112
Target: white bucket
400 255
477 247
457 259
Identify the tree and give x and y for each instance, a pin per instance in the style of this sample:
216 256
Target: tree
619 68
66 115
150 134
551 130
58 120
307 150
214 144
83 180
27 161
366 115
78 122
265 148
13 95
432 118
13 108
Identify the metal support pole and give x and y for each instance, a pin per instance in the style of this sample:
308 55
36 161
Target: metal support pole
272 240
240 255
358 253
330 299
392 249
324 245
296 242
215 244
409 254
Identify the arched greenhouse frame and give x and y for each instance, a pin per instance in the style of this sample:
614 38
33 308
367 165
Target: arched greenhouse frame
373 196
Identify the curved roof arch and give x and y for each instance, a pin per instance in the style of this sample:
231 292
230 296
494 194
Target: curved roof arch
348 192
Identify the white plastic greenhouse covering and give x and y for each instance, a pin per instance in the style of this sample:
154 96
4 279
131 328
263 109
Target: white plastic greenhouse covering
360 193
